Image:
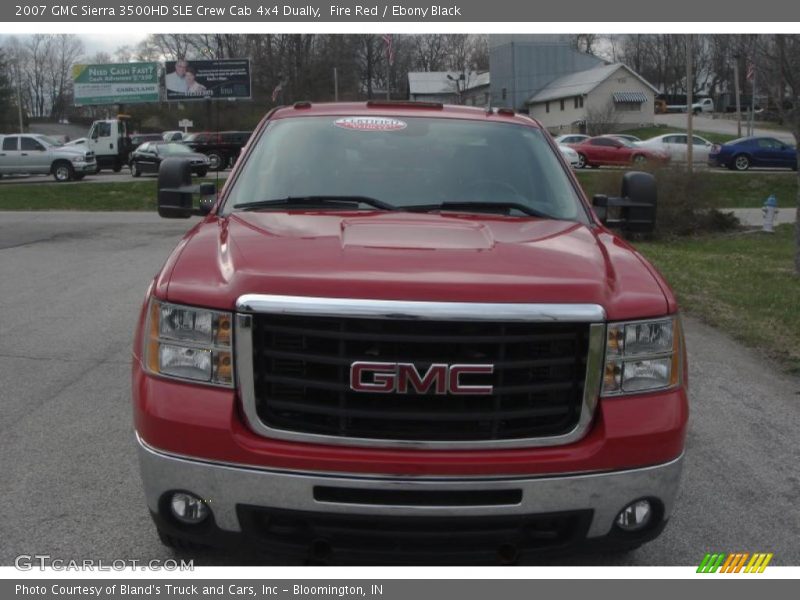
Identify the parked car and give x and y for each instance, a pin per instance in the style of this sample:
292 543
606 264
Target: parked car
572 138
746 152
401 331
569 154
147 157
172 136
675 144
36 154
603 150
222 148
137 139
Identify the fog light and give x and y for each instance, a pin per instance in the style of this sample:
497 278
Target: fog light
635 516
188 508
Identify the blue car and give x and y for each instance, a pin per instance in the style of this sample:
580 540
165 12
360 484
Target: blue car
748 152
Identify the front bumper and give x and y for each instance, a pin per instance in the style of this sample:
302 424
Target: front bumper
235 493
84 167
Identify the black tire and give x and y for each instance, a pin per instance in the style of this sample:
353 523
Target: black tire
639 160
62 171
178 544
741 162
582 162
135 172
202 172
117 166
216 161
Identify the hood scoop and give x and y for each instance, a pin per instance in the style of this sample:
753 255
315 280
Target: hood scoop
421 232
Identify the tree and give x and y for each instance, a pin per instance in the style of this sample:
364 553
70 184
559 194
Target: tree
602 120
8 109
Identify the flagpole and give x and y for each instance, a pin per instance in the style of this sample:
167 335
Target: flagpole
753 104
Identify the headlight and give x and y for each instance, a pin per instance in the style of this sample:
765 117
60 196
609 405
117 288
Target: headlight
642 356
77 159
189 343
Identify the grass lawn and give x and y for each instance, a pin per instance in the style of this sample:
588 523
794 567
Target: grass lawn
645 133
741 283
726 190
135 195
130 195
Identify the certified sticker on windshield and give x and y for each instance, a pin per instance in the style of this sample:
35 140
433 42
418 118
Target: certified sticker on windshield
370 124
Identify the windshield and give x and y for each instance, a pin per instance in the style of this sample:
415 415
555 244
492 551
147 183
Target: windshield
48 141
625 142
408 161
174 149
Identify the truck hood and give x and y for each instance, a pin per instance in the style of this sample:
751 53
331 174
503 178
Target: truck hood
410 256
71 150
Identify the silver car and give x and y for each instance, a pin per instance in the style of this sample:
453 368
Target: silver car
36 154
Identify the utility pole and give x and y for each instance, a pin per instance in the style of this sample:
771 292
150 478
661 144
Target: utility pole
736 91
751 129
19 95
689 102
335 85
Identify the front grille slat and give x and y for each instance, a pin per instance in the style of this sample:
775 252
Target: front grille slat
301 372
325 385
420 415
400 337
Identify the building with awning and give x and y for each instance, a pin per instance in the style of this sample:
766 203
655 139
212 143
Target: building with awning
613 94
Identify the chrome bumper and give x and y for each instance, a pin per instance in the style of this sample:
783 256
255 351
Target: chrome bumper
225 486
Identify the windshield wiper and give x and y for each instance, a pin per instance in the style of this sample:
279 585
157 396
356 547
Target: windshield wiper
502 207
342 202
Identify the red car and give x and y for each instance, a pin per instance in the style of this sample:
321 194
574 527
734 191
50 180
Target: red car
402 333
611 151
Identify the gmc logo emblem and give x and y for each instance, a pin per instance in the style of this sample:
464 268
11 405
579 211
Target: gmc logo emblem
403 378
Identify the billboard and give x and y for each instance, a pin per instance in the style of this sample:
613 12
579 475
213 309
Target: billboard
123 83
199 79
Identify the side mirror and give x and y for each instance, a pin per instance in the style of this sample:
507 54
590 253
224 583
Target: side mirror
635 210
175 190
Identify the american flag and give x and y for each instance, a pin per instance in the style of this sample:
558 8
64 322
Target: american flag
751 71
276 92
387 39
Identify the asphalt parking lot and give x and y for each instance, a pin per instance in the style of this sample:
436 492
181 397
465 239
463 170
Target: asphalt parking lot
70 288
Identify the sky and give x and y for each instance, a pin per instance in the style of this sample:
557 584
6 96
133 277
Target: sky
102 43
109 43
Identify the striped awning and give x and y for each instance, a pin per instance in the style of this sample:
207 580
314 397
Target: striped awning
630 97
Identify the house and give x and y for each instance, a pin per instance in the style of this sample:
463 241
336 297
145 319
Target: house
449 87
545 76
613 96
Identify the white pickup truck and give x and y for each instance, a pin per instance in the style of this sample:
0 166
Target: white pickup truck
36 154
705 105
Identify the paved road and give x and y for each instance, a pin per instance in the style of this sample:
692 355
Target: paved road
754 217
720 125
70 286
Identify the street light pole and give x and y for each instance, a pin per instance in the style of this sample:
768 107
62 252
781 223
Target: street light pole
19 95
689 103
736 90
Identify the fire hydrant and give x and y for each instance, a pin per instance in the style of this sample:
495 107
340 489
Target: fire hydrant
770 211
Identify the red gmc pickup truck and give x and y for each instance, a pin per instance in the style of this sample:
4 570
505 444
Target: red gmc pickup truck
402 333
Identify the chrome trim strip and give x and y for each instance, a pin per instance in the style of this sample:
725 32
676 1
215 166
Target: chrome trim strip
225 486
431 311
243 324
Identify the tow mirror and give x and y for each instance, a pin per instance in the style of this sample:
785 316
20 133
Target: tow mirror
635 210
176 192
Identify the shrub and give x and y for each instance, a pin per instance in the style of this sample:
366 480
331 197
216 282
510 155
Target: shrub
684 202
